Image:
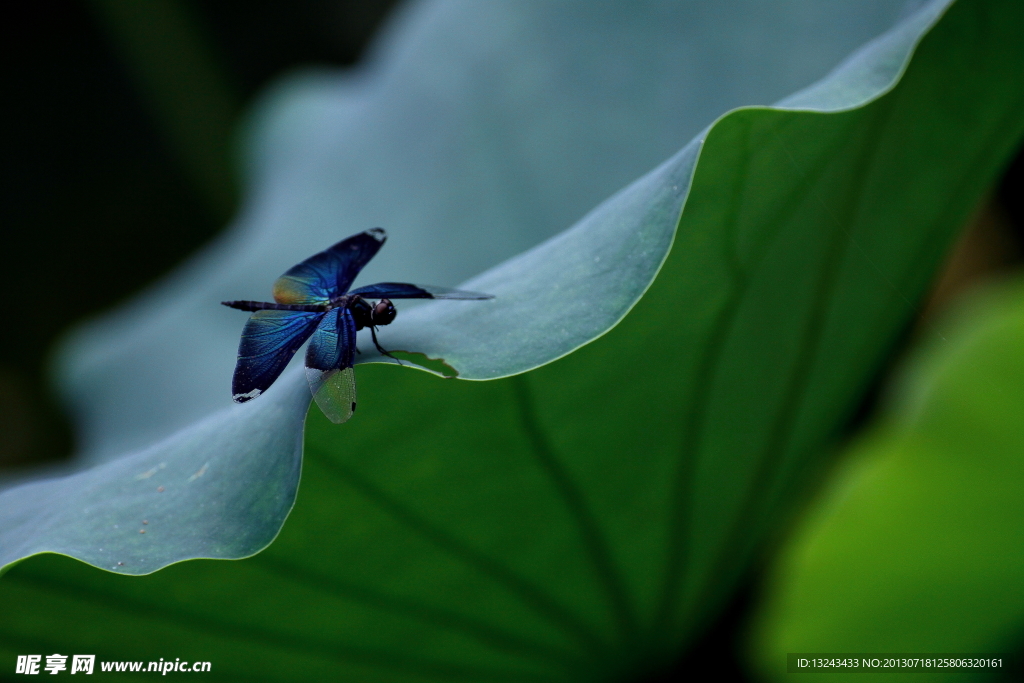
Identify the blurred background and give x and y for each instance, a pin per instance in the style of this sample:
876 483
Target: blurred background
119 164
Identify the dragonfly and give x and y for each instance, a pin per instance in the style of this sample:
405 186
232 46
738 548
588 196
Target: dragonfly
312 301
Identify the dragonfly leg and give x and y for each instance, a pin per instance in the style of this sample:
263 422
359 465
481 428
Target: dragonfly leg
383 351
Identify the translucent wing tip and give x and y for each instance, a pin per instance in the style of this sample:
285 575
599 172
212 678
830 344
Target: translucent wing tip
377 234
465 296
405 290
334 392
448 293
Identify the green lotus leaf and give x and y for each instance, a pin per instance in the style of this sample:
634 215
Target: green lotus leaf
915 547
586 519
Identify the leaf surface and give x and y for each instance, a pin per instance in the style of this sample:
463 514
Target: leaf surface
917 545
585 519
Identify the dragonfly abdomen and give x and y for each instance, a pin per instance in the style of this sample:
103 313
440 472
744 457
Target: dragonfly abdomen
273 306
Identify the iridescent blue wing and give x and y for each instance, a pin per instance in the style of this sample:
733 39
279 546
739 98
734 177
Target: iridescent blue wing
329 365
330 273
403 290
269 341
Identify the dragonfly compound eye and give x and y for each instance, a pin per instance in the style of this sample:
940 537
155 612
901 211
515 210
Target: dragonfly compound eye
384 312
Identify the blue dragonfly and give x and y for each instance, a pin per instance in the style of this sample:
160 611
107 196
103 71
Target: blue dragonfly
312 301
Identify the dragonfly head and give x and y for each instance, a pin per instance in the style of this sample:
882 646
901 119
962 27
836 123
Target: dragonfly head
383 312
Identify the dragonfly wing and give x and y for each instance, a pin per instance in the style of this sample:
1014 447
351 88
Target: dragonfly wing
269 341
329 273
329 365
335 392
403 290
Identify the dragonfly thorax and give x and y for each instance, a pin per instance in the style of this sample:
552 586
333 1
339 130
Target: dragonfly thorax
371 315
340 302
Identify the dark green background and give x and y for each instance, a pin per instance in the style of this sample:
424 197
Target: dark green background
99 197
